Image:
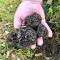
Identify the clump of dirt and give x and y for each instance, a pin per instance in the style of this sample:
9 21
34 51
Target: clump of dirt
22 38
26 36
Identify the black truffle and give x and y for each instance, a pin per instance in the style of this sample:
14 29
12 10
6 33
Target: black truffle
33 20
22 38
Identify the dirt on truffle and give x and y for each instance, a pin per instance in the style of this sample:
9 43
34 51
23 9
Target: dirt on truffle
26 36
22 38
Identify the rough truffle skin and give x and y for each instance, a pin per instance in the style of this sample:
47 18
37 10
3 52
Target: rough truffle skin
22 38
33 20
12 40
41 30
28 36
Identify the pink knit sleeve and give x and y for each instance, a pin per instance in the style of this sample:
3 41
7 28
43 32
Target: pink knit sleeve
40 11
17 19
